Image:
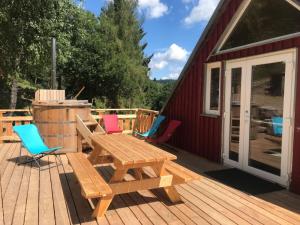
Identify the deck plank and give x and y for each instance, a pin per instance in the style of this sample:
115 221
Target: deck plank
140 215
8 166
12 191
273 212
52 196
82 207
219 217
161 209
1 205
241 210
72 213
19 214
125 214
46 207
149 212
60 207
32 204
200 212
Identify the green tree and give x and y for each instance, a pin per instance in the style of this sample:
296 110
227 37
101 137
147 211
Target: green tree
26 31
125 66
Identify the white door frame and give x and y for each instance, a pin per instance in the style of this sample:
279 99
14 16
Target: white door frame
289 57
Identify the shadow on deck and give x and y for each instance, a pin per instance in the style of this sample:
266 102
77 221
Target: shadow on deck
52 196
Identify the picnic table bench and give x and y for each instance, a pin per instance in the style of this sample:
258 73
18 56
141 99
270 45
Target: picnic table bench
127 153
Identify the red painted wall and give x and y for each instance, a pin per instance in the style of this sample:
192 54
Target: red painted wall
202 134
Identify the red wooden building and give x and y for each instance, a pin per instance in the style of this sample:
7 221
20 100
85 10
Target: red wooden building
238 96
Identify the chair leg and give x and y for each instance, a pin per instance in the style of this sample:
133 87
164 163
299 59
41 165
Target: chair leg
18 159
33 159
37 162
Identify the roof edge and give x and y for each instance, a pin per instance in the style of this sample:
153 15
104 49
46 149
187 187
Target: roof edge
195 50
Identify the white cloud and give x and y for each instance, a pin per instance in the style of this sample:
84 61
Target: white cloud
201 12
173 73
153 8
171 76
159 65
163 58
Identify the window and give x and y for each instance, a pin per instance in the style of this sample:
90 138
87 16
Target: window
262 21
212 89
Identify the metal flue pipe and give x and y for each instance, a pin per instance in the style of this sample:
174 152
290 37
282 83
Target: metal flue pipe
53 64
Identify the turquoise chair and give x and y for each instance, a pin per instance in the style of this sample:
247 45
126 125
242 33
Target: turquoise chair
33 142
277 125
153 128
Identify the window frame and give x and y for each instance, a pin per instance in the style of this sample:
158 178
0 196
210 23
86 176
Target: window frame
207 89
234 21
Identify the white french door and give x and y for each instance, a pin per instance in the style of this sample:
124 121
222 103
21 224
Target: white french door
259 112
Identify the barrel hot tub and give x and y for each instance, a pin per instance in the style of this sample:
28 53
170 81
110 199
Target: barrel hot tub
56 121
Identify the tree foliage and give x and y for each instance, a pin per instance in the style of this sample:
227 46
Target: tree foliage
105 54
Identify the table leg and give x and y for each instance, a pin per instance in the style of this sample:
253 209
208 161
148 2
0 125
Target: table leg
102 206
94 154
171 191
138 173
118 175
104 202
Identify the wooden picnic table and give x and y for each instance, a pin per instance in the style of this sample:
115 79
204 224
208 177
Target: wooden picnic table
127 153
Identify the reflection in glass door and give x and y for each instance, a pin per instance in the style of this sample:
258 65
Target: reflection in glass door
235 113
266 110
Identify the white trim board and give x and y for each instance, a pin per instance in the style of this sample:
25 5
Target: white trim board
207 88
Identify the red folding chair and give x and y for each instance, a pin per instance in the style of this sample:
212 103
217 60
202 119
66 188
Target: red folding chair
167 134
111 124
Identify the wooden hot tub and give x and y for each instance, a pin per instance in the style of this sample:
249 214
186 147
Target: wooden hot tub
56 121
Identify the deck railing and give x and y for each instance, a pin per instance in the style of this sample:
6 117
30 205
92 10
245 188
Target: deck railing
130 120
9 118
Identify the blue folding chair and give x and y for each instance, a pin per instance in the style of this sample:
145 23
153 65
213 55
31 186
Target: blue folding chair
277 125
33 142
153 128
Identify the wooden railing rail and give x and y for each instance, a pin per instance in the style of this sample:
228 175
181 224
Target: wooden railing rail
6 126
144 120
129 120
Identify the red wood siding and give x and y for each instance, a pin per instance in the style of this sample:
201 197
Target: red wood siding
201 134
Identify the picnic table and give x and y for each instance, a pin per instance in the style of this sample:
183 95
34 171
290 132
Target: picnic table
126 153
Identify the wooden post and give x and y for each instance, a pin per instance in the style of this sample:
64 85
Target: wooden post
1 126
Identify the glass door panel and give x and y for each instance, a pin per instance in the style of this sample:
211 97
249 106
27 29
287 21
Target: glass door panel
266 117
235 113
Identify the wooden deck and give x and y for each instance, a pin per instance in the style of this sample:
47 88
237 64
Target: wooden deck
52 196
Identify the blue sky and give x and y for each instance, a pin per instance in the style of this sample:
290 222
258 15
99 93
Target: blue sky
173 28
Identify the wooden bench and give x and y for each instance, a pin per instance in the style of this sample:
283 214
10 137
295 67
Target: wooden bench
91 182
180 173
